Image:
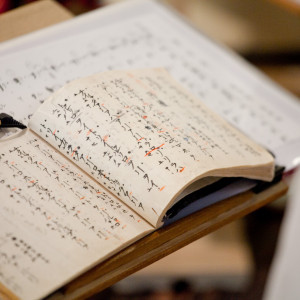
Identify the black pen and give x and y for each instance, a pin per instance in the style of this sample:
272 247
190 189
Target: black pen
7 121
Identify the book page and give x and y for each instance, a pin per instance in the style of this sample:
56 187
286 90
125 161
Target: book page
55 221
144 137
143 34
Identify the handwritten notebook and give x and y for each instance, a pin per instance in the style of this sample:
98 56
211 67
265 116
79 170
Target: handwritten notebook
105 157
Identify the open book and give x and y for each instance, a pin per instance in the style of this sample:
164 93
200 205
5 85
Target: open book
105 157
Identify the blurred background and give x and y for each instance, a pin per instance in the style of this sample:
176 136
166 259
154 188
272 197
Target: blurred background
233 262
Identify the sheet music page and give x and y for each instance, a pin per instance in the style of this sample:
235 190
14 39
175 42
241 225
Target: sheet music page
144 138
55 221
107 15
154 37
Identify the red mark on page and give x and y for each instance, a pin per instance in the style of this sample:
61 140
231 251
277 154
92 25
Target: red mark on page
154 149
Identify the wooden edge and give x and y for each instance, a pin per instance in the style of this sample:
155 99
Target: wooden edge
30 17
6 294
167 240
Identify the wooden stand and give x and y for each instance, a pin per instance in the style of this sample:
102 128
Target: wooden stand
167 240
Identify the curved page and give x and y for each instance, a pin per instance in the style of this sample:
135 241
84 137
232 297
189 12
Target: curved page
145 138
